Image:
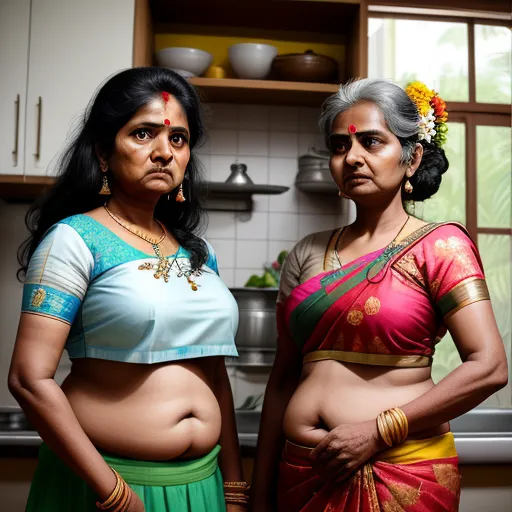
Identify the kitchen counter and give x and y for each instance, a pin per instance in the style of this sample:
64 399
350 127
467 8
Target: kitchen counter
482 436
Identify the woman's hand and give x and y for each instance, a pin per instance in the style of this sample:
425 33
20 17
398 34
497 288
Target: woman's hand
346 448
230 507
135 504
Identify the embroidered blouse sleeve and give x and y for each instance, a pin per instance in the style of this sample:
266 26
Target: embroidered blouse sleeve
58 275
454 269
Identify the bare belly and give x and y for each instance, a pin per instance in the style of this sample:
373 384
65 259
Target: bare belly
146 412
331 393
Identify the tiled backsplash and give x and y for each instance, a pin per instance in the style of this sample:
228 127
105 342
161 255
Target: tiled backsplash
269 141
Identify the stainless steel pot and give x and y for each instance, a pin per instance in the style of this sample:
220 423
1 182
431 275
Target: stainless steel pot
257 325
314 174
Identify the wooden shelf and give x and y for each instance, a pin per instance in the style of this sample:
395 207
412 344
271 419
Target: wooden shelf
232 90
297 15
23 188
220 196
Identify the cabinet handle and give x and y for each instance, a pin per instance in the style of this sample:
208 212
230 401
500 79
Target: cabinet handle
37 154
16 130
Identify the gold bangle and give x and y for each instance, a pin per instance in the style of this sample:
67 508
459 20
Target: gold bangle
382 430
393 426
405 424
114 495
236 485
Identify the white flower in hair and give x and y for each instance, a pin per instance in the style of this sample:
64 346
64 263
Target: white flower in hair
427 124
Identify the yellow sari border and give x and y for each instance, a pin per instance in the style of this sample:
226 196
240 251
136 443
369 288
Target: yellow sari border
419 450
466 292
409 452
370 359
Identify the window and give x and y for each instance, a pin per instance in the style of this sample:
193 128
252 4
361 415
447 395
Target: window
475 80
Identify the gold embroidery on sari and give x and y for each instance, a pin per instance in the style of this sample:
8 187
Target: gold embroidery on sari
372 306
358 345
456 249
369 485
448 476
406 495
434 286
354 317
408 265
391 506
339 343
468 291
378 346
364 358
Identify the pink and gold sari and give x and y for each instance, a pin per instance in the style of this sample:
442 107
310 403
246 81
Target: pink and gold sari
386 308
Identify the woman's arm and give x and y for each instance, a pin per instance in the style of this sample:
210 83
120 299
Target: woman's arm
282 383
39 346
483 372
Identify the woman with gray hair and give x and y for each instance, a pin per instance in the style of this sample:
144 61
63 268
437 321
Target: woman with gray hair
352 420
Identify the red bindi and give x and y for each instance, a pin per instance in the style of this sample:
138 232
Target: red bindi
165 96
352 129
167 122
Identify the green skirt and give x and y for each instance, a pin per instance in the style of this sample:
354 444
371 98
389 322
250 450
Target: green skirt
184 486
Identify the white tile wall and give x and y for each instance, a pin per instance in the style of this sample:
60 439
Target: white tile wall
268 140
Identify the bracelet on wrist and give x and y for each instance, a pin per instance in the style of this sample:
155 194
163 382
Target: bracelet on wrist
393 426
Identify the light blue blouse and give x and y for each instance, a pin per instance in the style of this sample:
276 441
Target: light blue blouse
85 275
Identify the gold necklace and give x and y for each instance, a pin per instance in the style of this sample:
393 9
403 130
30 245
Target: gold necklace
336 245
163 266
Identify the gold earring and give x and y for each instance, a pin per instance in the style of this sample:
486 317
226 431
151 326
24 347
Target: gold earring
105 189
180 198
408 187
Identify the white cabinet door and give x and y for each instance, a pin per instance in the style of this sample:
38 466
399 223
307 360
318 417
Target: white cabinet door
14 36
74 46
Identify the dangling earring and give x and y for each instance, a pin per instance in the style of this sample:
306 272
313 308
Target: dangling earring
180 198
105 189
408 187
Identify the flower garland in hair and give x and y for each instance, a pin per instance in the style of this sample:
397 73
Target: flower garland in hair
432 110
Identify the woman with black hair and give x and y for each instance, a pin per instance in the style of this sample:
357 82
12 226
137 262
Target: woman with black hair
116 275
352 420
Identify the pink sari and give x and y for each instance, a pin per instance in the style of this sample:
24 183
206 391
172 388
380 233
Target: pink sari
386 308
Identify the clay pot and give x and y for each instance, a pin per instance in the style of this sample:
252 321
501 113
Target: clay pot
305 67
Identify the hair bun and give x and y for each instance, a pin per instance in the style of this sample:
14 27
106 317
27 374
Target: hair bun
427 178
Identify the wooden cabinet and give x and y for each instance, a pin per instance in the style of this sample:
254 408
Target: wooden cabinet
14 40
58 52
337 28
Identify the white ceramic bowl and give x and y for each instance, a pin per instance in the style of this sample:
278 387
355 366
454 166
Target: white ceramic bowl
191 60
252 60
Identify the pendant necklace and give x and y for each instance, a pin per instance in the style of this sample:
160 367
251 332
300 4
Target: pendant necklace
163 266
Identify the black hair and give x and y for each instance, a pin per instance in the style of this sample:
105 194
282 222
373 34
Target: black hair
79 180
427 178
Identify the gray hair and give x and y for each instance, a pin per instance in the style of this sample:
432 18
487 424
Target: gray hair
399 111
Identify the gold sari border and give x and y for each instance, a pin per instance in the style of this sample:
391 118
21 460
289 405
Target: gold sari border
466 292
370 359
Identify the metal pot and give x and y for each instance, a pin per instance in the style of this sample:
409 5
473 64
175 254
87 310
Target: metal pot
239 175
314 174
257 322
